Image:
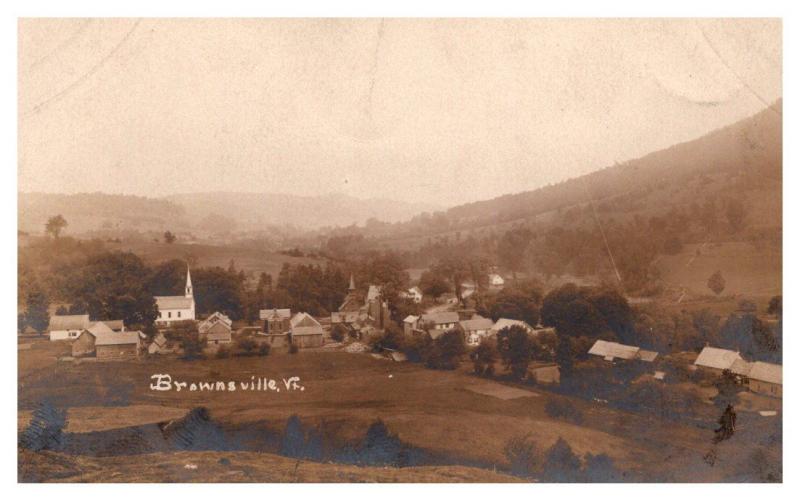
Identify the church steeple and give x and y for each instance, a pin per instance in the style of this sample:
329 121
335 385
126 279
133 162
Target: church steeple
188 291
352 283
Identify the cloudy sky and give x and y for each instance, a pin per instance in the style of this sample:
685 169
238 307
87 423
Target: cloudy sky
441 111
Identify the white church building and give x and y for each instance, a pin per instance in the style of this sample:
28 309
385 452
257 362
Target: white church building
177 307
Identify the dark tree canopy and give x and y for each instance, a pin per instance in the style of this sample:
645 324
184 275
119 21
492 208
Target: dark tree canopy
55 225
515 347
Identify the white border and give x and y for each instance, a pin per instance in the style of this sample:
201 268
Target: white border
398 8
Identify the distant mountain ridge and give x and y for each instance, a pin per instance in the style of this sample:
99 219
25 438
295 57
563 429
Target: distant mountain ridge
213 211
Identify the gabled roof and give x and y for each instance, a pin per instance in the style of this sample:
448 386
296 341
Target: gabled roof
611 350
415 290
214 319
344 317
476 323
441 317
173 302
302 319
411 319
99 328
160 340
117 338
114 324
741 367
505 323
766 372
713 357
273 314
71 322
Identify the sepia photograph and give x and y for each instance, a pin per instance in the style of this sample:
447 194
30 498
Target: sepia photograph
399 250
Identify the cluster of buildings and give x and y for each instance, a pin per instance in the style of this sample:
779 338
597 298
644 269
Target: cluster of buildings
362 315
473 326
281 329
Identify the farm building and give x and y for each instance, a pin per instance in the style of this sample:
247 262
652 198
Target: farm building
766 378
118 345
410 324
176 308
716 360
102 342
276 321
611 351
496 281
68 327
158 345
306 331
216 329
476 329
84 345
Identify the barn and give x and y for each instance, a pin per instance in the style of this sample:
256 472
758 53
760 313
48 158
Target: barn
306 331
117 345
68 327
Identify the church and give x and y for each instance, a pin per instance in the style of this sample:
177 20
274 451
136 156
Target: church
177 307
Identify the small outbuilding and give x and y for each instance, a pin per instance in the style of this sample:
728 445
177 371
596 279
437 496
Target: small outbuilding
306 331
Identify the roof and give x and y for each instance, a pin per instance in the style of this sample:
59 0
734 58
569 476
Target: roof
374 292
496 277
99 328
344 317
441 317
72 322
611 350
741 367
766 372
477 323
505 323
214 319
114 324
174 302
648 356
303 319
160 340
411 319
271 314
415 290
398 356
713 357
117 338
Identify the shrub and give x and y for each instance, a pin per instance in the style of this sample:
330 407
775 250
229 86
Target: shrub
445 351
561 465
192 346
223 352
338 332
563 409
522 456
263 349
246 346
483 358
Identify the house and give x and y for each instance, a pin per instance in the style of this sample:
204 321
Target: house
476 329
496 281
438 323
306 331
505 323
104 343
68 327
413 294
766 378
176 308
610 351
276 321
158 345
216 329
716 360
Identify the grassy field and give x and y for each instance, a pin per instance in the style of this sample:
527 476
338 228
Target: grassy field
440 412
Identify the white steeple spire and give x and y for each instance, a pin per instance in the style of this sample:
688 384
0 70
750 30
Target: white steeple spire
188 292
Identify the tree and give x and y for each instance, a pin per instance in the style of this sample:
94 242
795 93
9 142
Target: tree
564 356
716 283
775 305
512 248
522 455
515 348
561 465
338 332
192 345
515 304
246 346
445 351
433 284
36 313
55 225
483 357
169 237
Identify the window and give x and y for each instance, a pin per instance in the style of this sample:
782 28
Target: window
169 314
179 314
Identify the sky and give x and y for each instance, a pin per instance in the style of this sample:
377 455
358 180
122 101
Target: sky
443 111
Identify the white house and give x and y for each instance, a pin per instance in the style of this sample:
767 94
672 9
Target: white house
176 307
68 327
476 329
716 359
414 294
496 281
610 351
